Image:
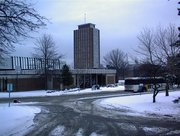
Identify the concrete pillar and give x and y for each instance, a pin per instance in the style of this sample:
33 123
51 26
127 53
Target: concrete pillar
84 80
90 79
50 83
77 80
106 80
96 79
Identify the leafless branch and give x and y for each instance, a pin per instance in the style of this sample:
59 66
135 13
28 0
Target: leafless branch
17 20
118 60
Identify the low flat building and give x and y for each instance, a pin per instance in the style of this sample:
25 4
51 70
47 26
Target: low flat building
27 73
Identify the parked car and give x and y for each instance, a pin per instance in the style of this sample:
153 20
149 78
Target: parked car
110 85
95 87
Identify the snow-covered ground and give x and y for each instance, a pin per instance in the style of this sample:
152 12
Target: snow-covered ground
16 119
143 105
57 93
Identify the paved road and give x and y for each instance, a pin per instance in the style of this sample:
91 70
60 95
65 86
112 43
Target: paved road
72 115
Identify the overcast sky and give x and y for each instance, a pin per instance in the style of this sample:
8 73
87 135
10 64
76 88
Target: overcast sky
119 22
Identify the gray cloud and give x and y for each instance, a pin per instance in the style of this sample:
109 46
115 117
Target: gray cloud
119 21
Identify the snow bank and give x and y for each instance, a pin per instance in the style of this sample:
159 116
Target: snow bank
57 93
15 120
143 104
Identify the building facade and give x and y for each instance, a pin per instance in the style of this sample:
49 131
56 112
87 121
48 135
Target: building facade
87 71
86 47
26 73
85 78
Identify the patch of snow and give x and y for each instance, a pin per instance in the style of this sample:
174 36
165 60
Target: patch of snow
142 104
95 134
80 132
127 127
175 132
16 119
117 88
154 130
58 131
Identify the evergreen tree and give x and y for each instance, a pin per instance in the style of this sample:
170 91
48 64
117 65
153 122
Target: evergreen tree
67 78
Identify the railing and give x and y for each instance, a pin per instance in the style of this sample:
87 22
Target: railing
93 71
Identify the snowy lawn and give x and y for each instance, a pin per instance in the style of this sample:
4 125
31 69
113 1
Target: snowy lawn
143 105
16 119
57 93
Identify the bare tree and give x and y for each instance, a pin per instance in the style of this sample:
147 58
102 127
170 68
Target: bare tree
164 40
118 60
17 19
46 50
156 48
146 45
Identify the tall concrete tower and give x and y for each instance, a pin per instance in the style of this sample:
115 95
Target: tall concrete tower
86 47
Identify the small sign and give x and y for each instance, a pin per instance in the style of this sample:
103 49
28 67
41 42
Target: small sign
9 87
